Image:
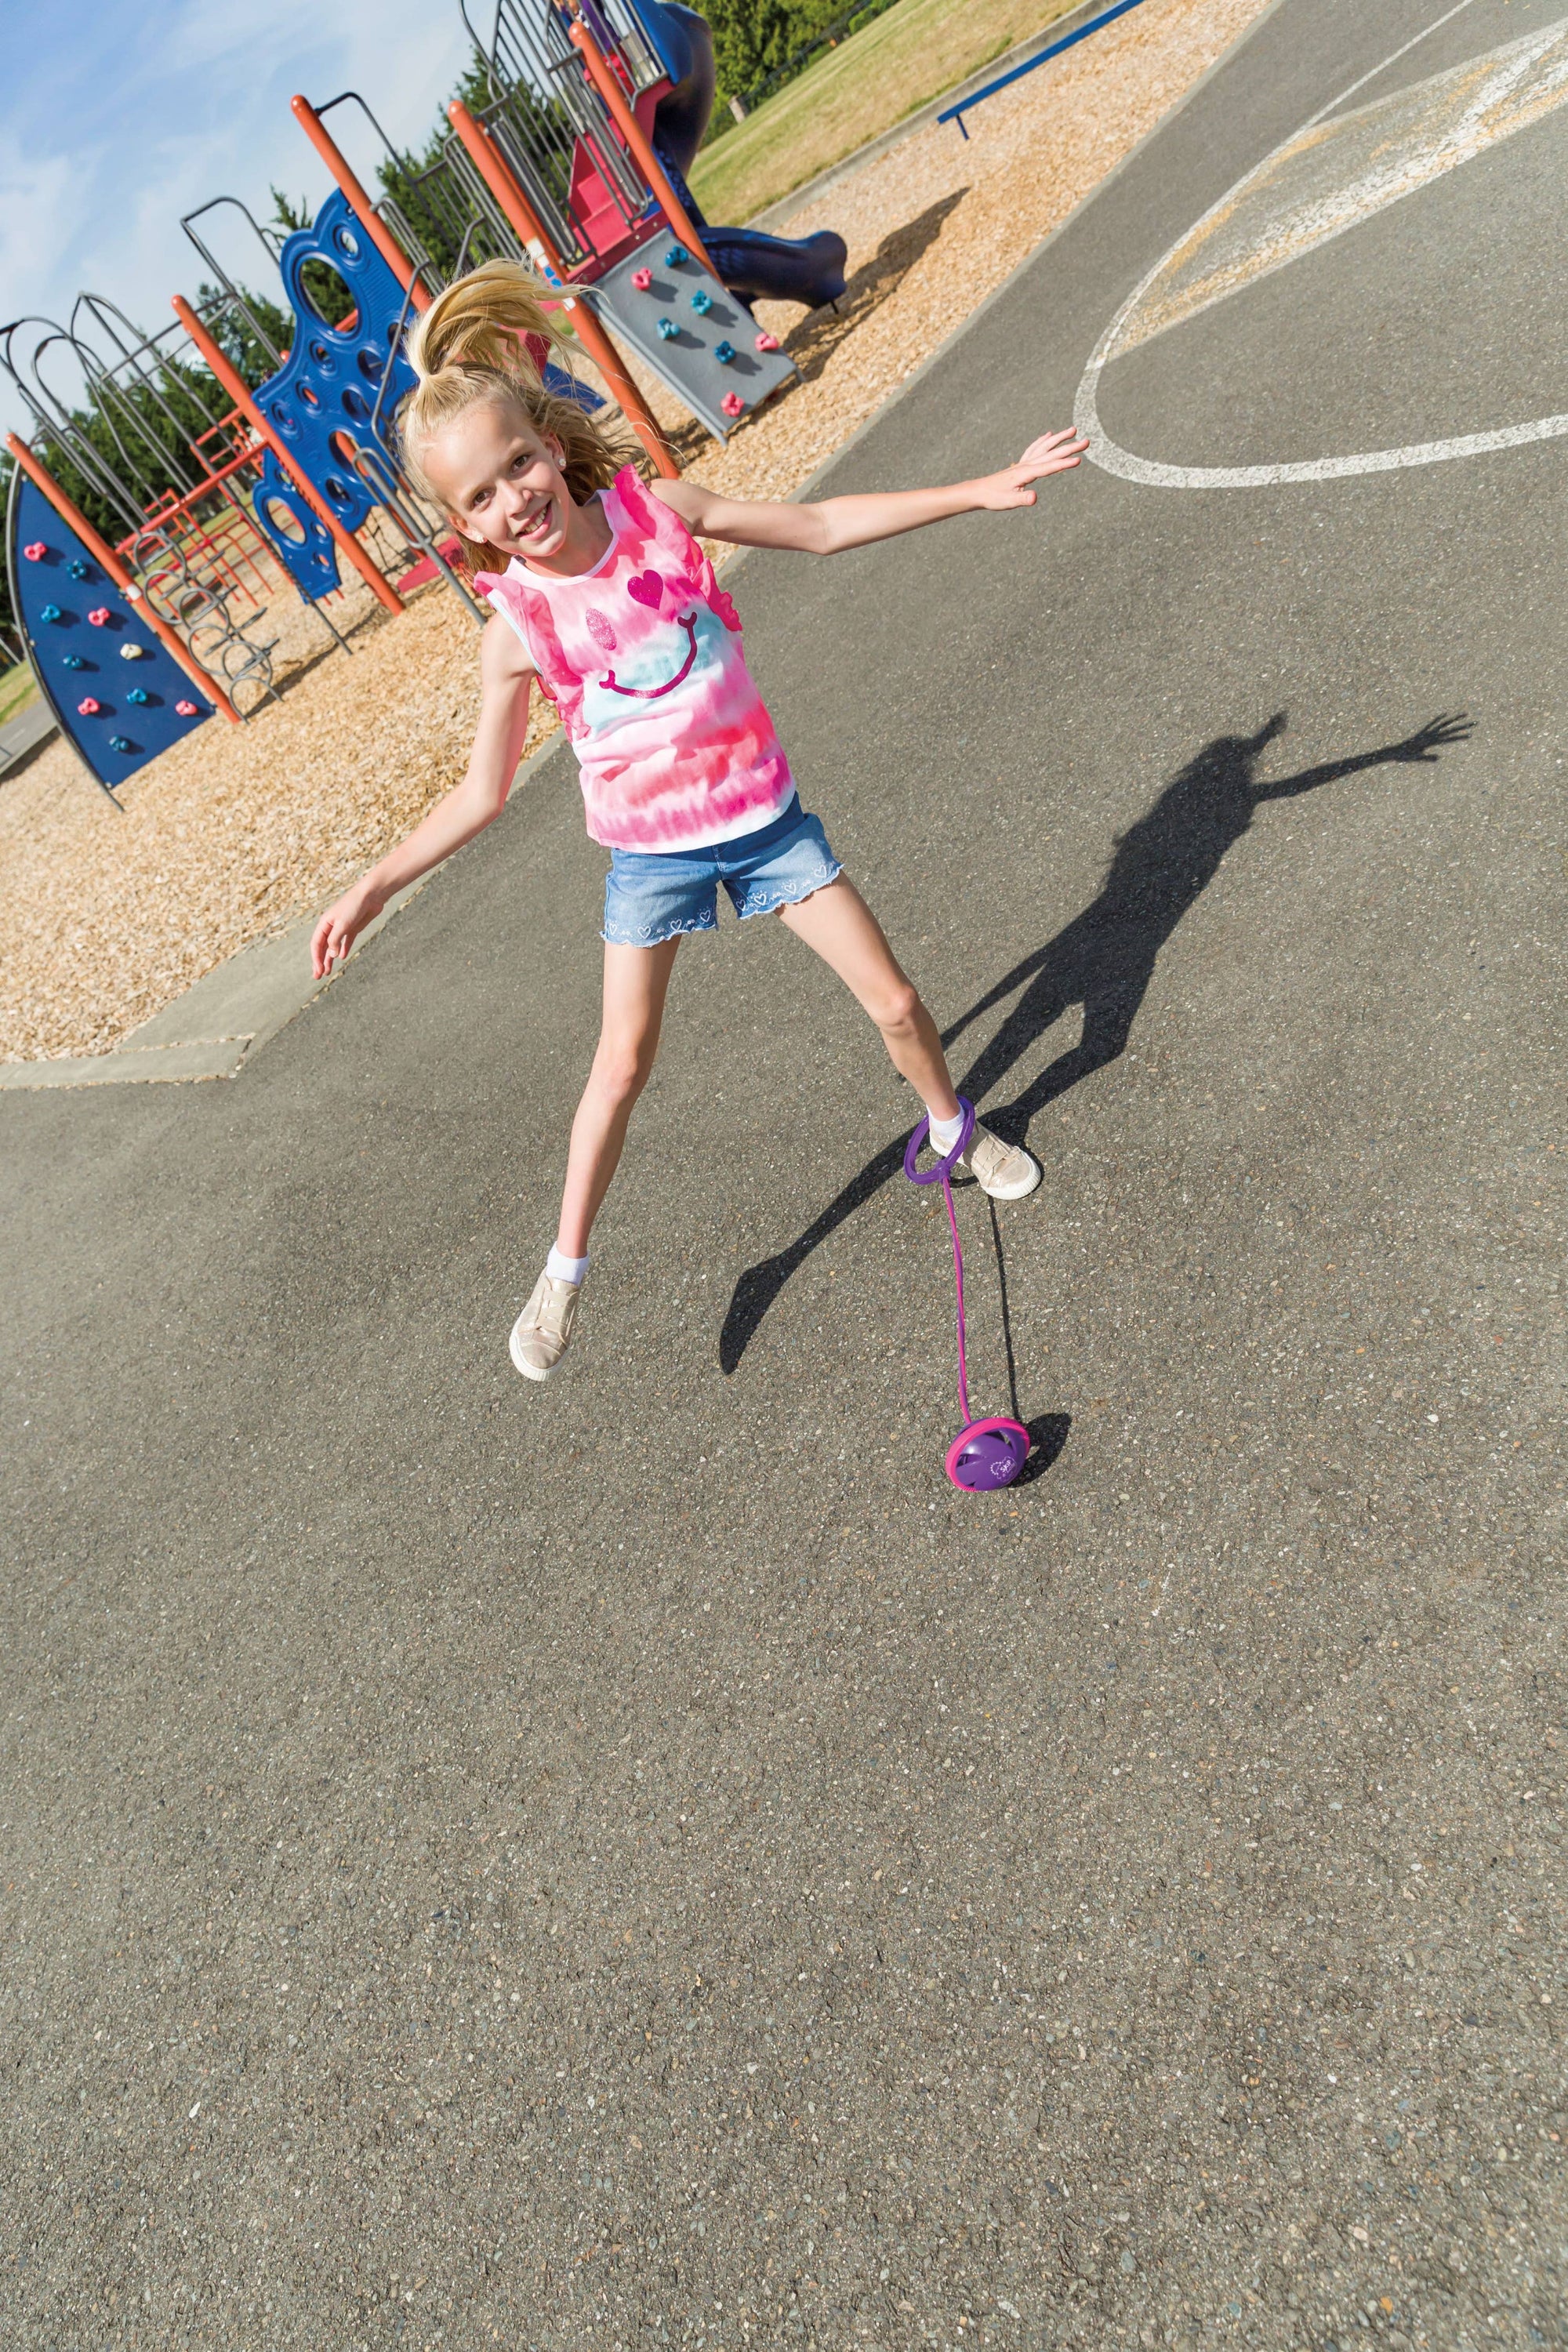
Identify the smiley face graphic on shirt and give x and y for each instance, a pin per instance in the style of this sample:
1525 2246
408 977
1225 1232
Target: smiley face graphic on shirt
644 660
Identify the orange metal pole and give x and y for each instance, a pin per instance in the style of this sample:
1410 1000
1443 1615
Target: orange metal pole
235 386
530 229
104 554
364 212
637 139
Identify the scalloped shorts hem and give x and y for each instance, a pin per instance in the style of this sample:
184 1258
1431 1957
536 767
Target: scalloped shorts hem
652 896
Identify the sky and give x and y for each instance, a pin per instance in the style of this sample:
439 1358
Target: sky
117 118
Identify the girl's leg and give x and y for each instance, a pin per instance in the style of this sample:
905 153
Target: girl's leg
635 982
837 923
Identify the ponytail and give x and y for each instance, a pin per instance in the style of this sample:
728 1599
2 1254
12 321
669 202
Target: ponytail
488 337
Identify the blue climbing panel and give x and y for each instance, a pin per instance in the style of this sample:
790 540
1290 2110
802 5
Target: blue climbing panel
692 332
119 696
328 386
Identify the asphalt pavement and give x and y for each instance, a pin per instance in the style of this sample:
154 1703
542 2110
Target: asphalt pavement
643 1862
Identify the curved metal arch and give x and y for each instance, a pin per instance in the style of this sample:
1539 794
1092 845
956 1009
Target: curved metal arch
271 243
57 419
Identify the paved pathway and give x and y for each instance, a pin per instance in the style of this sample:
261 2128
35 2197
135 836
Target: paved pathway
644 1863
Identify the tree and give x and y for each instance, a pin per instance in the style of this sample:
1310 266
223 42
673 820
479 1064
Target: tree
233 331
323 287
753 38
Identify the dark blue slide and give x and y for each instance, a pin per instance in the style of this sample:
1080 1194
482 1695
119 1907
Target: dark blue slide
779 270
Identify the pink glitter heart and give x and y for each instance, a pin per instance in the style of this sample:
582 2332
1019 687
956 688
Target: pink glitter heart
647 588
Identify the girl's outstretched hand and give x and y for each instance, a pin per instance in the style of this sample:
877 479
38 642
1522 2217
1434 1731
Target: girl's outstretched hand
339 927
1053 453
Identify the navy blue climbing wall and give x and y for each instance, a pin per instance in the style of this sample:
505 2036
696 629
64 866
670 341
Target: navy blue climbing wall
329 385
119 696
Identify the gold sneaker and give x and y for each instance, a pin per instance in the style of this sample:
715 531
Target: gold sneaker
540 1335
1005 1170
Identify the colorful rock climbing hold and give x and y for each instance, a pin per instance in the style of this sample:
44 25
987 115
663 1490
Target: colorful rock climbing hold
49 612
642 279
675 256
88 708
702 302
73 661
138 694
186 709
131 651
120 743
767 342
79 568
732 405
723 353
100 616
36 551
668 329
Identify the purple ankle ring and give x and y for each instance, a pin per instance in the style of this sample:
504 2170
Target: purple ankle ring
990 1453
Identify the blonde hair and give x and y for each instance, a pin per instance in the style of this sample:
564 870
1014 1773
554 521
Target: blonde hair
474 344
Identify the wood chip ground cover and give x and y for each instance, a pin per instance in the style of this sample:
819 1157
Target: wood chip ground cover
105 918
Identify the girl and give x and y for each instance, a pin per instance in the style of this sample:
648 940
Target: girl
603 594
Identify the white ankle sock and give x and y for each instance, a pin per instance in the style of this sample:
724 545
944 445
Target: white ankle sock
944 1132
565 1269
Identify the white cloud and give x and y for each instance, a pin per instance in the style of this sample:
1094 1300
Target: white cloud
117 120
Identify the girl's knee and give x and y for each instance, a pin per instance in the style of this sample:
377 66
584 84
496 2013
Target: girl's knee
621 1072
899 1007
622 1075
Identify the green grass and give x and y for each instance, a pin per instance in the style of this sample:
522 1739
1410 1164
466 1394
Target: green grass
17 688
905 57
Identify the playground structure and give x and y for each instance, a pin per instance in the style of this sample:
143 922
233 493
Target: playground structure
228 494
188 564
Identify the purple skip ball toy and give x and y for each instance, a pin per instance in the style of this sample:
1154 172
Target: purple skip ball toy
990 1453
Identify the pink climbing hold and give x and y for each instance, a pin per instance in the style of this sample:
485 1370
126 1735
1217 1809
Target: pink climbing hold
88 707
99 617
732 405
767 342
186 709
642 279
35 550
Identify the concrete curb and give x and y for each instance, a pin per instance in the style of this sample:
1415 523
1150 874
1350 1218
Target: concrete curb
20 737
773 215
212 1031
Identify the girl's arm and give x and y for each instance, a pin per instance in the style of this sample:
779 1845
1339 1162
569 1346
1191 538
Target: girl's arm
507 675
837 523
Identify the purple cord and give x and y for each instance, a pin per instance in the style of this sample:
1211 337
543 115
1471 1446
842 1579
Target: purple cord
957 1282
942 1172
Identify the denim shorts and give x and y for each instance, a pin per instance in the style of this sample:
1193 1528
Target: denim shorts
650 897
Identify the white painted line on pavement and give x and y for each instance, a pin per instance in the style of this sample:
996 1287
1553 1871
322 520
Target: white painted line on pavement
1321 181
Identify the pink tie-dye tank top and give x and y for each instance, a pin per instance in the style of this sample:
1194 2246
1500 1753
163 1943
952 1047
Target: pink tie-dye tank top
642 656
